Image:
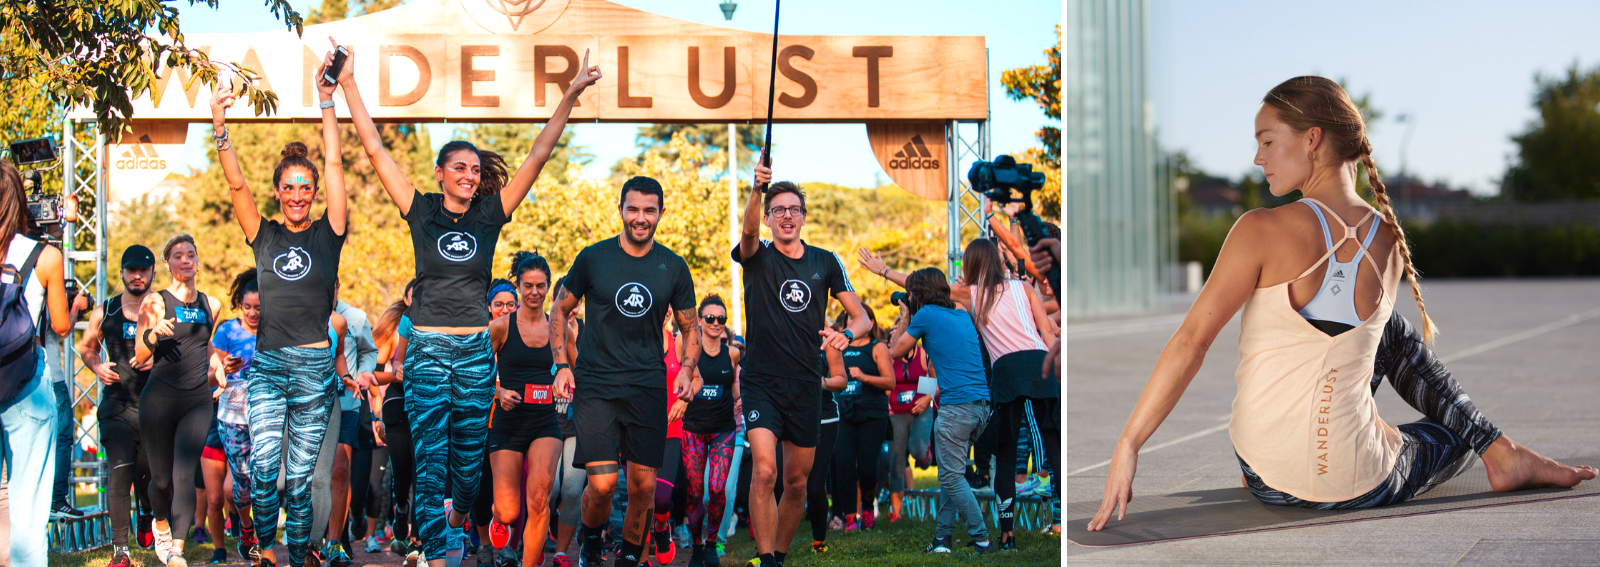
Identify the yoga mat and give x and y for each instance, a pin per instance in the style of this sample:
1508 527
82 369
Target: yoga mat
1230 511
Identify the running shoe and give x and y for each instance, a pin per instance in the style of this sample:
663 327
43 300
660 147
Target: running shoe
372 545
894 517
399 547
235 527
819 547
562 560
1008 543
499 534
65 510
507 557
868 519
266 563
680 533
413 557
835 523
940 545
219 556
754 562
199 534
986 549
484 553
852 523
248 546
313 557
335 554
177 561
665 550
120 559
146 531
162 544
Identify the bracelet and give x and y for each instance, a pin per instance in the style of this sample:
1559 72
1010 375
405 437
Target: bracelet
224 145
325 104
885 272
222 136
147 338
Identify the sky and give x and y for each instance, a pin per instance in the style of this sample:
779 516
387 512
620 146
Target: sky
1463 71
1016 31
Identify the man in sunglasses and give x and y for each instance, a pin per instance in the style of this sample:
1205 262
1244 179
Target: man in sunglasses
781 378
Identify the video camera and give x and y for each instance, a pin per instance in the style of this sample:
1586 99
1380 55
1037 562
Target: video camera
44 210
997 180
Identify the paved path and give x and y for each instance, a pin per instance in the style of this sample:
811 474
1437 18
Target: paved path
1527 351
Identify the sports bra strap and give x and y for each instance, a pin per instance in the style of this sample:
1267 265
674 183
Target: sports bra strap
1326 236
1349 234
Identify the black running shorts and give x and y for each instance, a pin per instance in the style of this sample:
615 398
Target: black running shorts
787 407
633 428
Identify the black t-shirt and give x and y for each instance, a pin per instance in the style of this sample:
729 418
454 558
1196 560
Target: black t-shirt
526 370
861 400
625 300
783 313
455 254
119 332
712 409
295 271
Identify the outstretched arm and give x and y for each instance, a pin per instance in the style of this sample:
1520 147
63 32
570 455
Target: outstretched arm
1232 281
750 234
394 180
244 204
517 188
332 158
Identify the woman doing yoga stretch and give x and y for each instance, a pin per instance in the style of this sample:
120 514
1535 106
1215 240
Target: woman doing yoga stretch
291 381
1318 311
525 428
449 360
709 429
175 407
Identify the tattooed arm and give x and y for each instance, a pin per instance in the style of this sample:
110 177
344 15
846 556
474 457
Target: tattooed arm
560 311
683 386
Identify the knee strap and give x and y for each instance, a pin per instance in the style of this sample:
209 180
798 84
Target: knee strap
605 469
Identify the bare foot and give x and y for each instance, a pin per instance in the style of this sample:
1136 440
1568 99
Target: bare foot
1514 467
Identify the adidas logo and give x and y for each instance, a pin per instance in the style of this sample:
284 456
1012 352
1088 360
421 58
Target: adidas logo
1339 274
141 156
816 276
663 266
915 155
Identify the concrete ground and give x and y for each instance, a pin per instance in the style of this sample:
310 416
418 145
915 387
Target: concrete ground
1526 351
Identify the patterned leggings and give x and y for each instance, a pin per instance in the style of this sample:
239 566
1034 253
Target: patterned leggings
1440 446
700 449
236 444
292 395
449 388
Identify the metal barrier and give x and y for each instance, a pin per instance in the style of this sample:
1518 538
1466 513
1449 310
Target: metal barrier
72 535
1029 512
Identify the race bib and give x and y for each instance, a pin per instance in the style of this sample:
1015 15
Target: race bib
129 330
710 392
907 396
536 394
190 315
852 388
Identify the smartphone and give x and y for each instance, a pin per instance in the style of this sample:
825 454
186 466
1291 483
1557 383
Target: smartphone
331 74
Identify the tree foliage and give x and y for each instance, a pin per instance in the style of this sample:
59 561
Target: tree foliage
1042 84
1556 154
104 55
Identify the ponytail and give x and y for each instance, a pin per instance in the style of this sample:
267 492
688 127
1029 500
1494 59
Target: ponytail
1380 194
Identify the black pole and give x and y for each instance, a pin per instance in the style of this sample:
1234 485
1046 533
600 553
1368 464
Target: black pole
772 84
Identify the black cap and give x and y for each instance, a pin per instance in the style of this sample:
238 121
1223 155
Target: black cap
138 256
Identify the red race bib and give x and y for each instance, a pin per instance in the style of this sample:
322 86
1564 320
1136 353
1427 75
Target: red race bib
536 394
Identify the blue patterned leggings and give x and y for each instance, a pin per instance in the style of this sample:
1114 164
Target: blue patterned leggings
292 394
449 388
236 444
1442 445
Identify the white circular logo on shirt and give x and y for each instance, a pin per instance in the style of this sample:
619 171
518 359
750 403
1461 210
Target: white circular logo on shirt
292 265
634 300
458 246
755 415
795 295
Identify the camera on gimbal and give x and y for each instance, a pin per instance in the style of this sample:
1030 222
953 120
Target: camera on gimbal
45 210
1005 181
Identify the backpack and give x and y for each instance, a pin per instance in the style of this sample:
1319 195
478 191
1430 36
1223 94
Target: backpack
19 355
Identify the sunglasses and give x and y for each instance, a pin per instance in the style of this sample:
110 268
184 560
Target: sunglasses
715 320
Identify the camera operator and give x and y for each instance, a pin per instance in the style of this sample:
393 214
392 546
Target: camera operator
29 417
61 492
1018 333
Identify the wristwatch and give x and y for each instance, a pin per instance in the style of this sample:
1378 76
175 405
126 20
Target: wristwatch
554 368
325 104
849 335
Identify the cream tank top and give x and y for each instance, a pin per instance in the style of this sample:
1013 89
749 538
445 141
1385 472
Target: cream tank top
1304 418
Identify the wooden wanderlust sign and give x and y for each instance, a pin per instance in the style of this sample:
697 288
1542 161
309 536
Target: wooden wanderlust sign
509 61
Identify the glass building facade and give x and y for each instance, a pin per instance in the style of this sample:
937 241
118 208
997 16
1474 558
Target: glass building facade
1120 213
